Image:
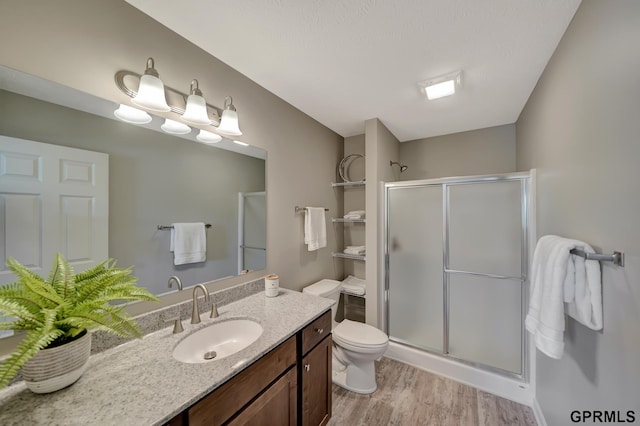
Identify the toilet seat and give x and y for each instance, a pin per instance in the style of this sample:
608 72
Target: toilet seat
359 337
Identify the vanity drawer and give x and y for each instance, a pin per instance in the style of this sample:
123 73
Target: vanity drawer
316 331
219 406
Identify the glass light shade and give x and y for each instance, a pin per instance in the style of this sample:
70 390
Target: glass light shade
196 111
208 137
131 115
229 123
175 128
151 94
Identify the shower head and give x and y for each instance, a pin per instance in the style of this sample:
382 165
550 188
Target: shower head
402 166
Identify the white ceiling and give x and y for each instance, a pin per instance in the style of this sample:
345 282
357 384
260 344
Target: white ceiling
345 61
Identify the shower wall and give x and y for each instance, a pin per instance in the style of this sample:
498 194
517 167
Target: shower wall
456 251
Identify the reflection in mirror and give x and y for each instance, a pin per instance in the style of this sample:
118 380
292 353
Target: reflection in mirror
153 179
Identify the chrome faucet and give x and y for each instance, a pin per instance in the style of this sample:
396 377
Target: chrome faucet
177 324
175 279
195 313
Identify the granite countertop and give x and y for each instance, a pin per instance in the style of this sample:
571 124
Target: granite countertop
140 383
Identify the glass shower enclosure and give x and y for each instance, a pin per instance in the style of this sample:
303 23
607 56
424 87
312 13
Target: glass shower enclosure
456 268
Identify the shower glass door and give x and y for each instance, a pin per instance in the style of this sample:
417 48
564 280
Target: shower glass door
484 273
456 268
415 266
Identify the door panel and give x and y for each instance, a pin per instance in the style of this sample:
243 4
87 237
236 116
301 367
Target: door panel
52 199
415 266
485 227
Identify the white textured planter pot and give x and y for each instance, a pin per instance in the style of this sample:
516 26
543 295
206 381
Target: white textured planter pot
56 368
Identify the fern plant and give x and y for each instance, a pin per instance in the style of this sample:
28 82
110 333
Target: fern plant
56 310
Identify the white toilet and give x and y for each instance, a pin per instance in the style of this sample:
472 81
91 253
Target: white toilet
355 345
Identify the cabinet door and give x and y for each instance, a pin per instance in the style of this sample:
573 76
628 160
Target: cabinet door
276 406
316 385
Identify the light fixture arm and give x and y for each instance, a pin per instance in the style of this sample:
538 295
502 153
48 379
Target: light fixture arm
229 105
151 70
195 90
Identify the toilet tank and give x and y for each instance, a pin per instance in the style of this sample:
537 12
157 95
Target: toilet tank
326 288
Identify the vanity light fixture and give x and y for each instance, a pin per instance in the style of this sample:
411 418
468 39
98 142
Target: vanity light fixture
132 115
229 120
175 127
240 143
192 109
208 137
439 87
151 90
196 109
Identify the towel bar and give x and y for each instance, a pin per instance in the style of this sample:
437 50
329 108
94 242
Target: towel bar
302 209
164 227
617 257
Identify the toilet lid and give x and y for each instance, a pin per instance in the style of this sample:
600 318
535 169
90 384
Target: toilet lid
359 334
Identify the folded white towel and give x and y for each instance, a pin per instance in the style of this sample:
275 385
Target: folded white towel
355 214
556 277
315 228
357 250
188 243
354 285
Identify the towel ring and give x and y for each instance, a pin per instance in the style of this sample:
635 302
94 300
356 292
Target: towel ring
344 165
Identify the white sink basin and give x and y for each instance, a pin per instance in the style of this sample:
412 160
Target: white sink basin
217 341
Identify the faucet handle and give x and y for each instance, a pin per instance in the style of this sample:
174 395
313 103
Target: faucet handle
214 310
177 325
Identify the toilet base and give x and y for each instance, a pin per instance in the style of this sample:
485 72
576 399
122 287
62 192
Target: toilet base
355 378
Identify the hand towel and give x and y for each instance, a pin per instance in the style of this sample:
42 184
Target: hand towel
557 277
315 228
188 243
354 285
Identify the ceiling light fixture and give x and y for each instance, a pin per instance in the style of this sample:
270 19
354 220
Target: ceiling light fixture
229 120
152 95
439 87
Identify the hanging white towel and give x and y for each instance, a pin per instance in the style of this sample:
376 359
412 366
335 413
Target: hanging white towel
557 277
188 243
315 228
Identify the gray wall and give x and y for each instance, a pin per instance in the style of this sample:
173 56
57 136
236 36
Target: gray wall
154 179
476 152
82 43
580 129
381 146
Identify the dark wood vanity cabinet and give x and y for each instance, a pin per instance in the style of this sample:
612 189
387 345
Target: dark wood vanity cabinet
315 372
291 385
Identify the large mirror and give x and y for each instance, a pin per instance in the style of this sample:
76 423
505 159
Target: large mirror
154 180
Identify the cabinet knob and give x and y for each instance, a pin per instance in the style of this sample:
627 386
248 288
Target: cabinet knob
307 367
319 330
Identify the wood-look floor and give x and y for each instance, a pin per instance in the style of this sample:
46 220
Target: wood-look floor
409 396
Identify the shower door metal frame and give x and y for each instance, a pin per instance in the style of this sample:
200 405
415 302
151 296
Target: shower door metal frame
445 183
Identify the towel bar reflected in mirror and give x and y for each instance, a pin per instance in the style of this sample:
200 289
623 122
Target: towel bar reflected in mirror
164 227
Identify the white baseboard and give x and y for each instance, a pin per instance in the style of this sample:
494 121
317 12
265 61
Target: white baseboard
504 387
537 411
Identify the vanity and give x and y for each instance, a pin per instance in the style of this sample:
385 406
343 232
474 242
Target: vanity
283 378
